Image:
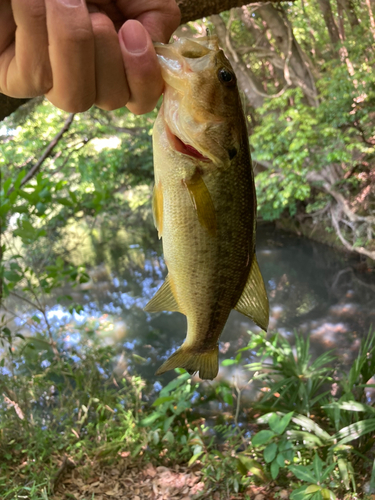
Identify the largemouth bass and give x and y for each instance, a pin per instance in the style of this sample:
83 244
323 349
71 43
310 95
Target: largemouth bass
204 202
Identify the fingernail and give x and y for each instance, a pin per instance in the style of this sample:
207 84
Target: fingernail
134 36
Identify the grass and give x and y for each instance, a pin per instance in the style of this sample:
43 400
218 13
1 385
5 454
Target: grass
298 436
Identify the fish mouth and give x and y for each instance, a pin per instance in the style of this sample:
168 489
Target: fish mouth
181 147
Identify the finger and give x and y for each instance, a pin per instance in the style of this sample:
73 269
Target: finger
160 17
141 67
25 65
72 55
8 26
112 91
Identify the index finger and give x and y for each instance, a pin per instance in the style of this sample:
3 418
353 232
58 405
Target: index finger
24 64
160 17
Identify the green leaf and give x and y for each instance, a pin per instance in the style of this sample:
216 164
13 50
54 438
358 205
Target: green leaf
303 473
280 459
65 201
12 276
194 458
311 426
246 464
327 472
228 362
136 450
262 437
155 437
318 465
316 496
168 422
355 431
309 440
277 424
6 185
269 452
181 379
150 419
275 468
328 494
313 488
227 395
18 181
169 437
351 406
343 468
163 400
299 494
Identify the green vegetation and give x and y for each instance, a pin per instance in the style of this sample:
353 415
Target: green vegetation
71 400
68 183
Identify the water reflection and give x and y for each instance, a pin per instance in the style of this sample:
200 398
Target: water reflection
312 289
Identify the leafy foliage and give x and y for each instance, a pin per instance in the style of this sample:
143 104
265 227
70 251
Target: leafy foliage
69 398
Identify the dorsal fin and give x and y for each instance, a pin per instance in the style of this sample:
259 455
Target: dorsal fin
253 302
164 299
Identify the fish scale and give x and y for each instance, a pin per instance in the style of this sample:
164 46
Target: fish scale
204 202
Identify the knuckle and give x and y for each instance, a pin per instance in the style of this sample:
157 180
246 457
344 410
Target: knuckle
140 108
112 100
175 12
42 79
35 11
102 25
70 104
79 107
78 35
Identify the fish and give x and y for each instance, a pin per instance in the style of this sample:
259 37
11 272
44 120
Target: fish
204 202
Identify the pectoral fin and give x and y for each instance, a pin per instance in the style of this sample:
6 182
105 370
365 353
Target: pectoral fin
202 202
157 208
164 299
253 302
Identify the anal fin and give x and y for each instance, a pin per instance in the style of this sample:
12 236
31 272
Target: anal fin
164 299
253 302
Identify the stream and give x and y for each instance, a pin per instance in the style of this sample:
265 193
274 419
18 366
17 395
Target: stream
312 289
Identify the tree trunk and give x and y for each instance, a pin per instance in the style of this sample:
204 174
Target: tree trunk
350 12
333 30
340 13
288 45
260 40
247 81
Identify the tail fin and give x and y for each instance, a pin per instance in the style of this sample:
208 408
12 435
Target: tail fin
206 363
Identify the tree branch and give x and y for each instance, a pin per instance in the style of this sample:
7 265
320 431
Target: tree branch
346 244
47 152
190 11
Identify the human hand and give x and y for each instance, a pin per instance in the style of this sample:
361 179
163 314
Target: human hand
81 53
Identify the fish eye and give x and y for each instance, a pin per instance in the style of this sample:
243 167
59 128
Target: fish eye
225 76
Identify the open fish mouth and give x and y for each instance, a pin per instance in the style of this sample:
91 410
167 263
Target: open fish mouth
181 147
178 62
